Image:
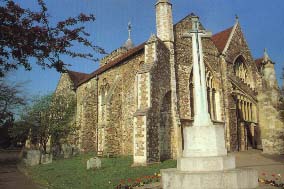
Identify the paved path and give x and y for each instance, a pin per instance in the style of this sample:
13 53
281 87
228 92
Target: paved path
10 177
268 164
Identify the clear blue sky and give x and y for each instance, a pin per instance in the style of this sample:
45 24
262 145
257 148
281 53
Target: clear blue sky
262 22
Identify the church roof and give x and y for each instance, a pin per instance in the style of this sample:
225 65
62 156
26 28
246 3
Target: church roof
113 63
76 77
220 39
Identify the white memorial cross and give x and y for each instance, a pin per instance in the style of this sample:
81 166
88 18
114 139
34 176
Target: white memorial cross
204 138
201 114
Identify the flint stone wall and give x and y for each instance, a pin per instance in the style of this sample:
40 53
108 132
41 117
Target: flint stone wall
116 127
86 116
160 86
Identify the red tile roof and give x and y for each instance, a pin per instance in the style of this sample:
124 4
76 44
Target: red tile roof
76 77
113 63
220 39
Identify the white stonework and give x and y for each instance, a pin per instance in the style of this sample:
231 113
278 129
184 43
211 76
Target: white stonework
229 179
215 163
204 141
139 159
201 117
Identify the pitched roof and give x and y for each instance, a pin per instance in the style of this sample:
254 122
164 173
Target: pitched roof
76 77
113 63
220 39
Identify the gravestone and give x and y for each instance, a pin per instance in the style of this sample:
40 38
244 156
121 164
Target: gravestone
94 163
204 163
75 151
46 158
31 157
66 150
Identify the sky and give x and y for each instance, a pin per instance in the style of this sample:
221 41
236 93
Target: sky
262 22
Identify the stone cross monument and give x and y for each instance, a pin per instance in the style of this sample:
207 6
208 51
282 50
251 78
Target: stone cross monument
201 116
205 163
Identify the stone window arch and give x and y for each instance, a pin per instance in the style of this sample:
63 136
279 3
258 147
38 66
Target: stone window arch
211 85
213 95
241 71
103 98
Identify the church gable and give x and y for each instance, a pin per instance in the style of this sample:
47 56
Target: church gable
184 26
237 49
65 85
237 46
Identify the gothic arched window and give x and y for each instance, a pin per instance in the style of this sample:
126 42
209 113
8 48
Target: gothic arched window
103 98
213 95
241 71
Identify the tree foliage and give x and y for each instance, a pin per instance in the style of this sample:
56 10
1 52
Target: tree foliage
11 97
50 116
26 34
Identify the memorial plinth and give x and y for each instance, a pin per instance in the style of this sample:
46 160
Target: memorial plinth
206 165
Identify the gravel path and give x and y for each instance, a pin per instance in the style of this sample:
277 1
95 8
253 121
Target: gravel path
10 176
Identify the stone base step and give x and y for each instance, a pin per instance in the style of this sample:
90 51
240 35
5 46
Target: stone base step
215 163
228 179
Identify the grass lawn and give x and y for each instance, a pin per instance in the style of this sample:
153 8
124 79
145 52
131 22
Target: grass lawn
72 173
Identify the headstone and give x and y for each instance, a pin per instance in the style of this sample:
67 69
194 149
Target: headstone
28 141
66 150
75 151
32 157
46 158
94 163
48 145
205 163
28 144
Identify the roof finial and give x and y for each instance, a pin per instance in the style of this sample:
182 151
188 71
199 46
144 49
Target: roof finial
265 55
237 18
129 30
128 44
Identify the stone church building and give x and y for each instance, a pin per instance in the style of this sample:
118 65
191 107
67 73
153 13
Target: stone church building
141 97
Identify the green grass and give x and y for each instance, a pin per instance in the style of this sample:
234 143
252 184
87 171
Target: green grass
72 173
